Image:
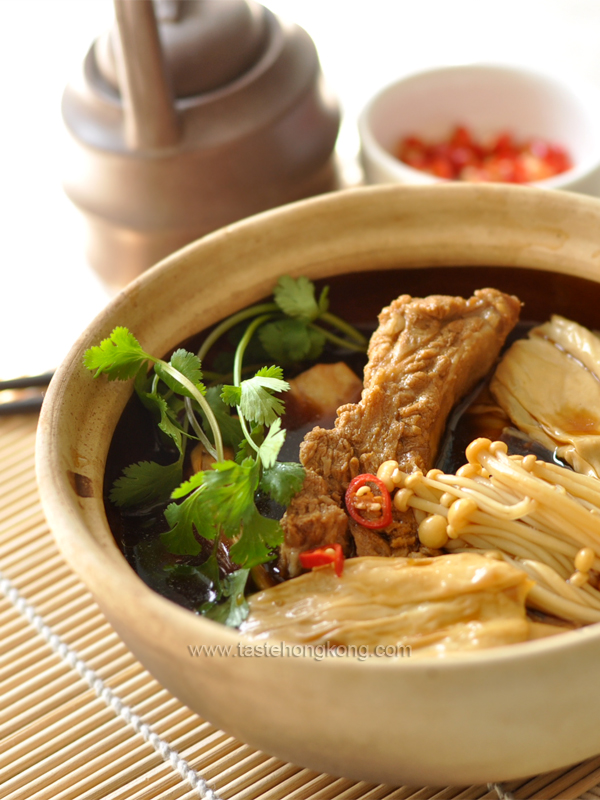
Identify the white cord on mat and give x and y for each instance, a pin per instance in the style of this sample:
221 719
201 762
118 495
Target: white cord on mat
500 791
112 700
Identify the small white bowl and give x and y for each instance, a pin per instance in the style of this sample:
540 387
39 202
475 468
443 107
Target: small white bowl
489 100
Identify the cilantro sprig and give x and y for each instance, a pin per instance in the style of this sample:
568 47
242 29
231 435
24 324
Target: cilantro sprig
295 326
219 504
221 501
121 357
216 504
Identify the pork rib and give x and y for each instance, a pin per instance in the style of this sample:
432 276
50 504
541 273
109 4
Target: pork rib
424 357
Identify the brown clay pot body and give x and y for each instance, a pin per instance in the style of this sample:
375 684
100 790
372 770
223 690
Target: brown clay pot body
499 714
263 139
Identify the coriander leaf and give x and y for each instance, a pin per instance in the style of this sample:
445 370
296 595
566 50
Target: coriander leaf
256 402
231 430
220 500
260 537
245 450
120 356
290 340
189 365
176 404
272 444
227 496
191 576
282 481
194 482
296 298
169 424
143 382
207 575
231 395
324 300
275 373
193 514
167 411
210 568
185 570
317 343
235 609
145 483
230 491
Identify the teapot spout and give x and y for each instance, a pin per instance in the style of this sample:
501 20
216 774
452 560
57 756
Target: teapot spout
150 118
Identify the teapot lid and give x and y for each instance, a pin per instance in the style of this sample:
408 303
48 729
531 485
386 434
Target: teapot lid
206 43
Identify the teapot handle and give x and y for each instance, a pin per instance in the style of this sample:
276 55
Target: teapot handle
151 121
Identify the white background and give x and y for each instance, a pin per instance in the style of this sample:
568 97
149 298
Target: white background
48 292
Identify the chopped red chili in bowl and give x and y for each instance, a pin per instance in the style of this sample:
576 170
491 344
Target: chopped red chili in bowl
364 506
503 159
320 556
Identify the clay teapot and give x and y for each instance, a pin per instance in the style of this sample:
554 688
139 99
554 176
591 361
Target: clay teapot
189 115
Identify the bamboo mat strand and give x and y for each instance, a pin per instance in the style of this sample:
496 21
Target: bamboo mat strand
95 681
81 719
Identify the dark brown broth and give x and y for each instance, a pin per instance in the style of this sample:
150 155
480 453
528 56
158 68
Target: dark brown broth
358 298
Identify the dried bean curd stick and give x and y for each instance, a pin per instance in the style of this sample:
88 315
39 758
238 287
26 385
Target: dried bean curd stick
542 598
475 539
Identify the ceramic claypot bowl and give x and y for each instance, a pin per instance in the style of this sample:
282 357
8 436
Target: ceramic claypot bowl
493 715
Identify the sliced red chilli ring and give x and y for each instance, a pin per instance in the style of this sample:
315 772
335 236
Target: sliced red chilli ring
320 556
364 506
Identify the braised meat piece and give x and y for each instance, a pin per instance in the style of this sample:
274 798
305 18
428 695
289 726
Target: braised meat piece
424 357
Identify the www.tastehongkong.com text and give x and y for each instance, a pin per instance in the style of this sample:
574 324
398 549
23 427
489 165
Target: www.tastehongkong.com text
317 652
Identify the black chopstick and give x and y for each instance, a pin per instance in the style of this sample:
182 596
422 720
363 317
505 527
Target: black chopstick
27 405
27 382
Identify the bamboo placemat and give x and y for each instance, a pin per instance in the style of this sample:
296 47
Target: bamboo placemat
63 740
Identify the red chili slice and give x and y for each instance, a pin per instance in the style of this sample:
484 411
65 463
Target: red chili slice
352 499
461 157
319 556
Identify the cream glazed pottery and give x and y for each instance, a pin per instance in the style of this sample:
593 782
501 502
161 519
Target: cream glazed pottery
495 715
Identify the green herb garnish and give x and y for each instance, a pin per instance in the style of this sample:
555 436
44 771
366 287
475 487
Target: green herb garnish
295 326
145 484
218 504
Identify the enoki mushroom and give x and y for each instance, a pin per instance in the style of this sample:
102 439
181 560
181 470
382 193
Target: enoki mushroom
543 518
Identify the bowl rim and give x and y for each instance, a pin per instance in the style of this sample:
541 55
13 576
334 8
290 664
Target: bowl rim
583 91
60 506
